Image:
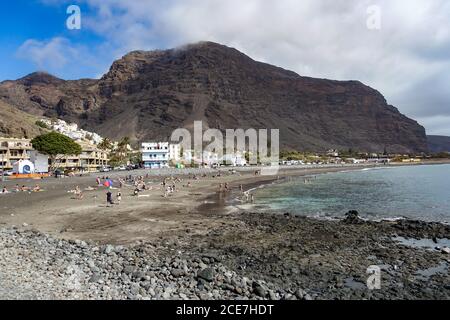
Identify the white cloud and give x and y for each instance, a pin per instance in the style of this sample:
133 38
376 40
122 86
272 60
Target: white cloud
47 55
60 57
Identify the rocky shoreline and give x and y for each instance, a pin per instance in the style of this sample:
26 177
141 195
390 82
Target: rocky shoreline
256 257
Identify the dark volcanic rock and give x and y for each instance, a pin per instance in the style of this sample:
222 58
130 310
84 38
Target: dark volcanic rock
146 95
352 217
206 274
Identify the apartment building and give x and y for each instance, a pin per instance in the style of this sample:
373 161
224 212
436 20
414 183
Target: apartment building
13 150
155 155
91 159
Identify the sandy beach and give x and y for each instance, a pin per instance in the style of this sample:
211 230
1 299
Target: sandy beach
284 256
56 210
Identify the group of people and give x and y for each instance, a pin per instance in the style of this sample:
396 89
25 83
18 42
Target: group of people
140 184
245 195
22 188
224 187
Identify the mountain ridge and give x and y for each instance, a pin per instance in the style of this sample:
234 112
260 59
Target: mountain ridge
148 94
438 144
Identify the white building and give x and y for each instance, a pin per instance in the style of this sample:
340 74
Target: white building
72 131
155 155
23 167
174 152
210 158
188 156
234 160
207 159
39 160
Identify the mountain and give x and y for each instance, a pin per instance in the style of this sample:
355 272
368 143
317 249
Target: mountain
16 123
146 95
438 144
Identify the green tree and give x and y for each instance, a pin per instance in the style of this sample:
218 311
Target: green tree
123 144
105 145
136 158
122 154
41 124
55 146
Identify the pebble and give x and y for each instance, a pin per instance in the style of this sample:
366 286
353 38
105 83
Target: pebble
206 274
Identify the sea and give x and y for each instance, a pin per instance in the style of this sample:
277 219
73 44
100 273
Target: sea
415 192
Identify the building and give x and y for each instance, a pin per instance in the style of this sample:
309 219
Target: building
72 131
39 160
23 167
234 160
155 155
210 158
91 159
174 153
13 150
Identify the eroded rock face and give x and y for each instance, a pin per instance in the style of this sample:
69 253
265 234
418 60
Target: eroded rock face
146 95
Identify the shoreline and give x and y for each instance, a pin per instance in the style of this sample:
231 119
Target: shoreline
232 201
54 211
174 248
260 256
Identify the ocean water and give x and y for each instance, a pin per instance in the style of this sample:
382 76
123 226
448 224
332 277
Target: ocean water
417 192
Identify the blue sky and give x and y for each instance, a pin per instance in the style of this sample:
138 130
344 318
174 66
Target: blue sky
406 57
22 20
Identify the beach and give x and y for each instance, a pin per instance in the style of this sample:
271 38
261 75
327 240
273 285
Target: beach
199 207
148 243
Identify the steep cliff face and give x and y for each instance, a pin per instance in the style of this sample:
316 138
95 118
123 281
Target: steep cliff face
146 95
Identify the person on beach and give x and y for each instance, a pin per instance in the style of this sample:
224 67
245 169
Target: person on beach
37 188
241 188
220 187
78 193
119 197
109 200
4 190
252 198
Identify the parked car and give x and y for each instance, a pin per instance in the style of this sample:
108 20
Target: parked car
105 169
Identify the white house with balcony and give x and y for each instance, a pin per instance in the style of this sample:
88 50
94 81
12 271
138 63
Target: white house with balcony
155 155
